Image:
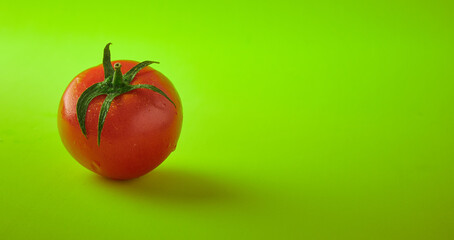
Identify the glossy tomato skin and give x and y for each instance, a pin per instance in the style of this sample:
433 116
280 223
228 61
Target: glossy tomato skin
141 129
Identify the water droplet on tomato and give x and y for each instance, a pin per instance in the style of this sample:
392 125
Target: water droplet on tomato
96 167
172 146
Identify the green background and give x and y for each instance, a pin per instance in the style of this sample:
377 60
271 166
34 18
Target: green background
302 120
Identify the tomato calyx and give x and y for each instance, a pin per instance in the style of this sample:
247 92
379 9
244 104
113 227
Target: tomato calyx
114 85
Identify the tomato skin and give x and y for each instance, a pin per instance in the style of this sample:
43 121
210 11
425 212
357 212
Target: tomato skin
141 128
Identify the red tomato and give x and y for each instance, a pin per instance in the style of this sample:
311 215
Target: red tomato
140 130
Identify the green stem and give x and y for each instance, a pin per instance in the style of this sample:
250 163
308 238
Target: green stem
118 76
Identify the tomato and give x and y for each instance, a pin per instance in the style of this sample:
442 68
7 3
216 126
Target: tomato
116 128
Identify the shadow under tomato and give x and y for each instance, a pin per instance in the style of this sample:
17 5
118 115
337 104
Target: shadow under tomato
170 185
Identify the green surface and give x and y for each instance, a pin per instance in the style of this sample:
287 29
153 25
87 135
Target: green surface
302 120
